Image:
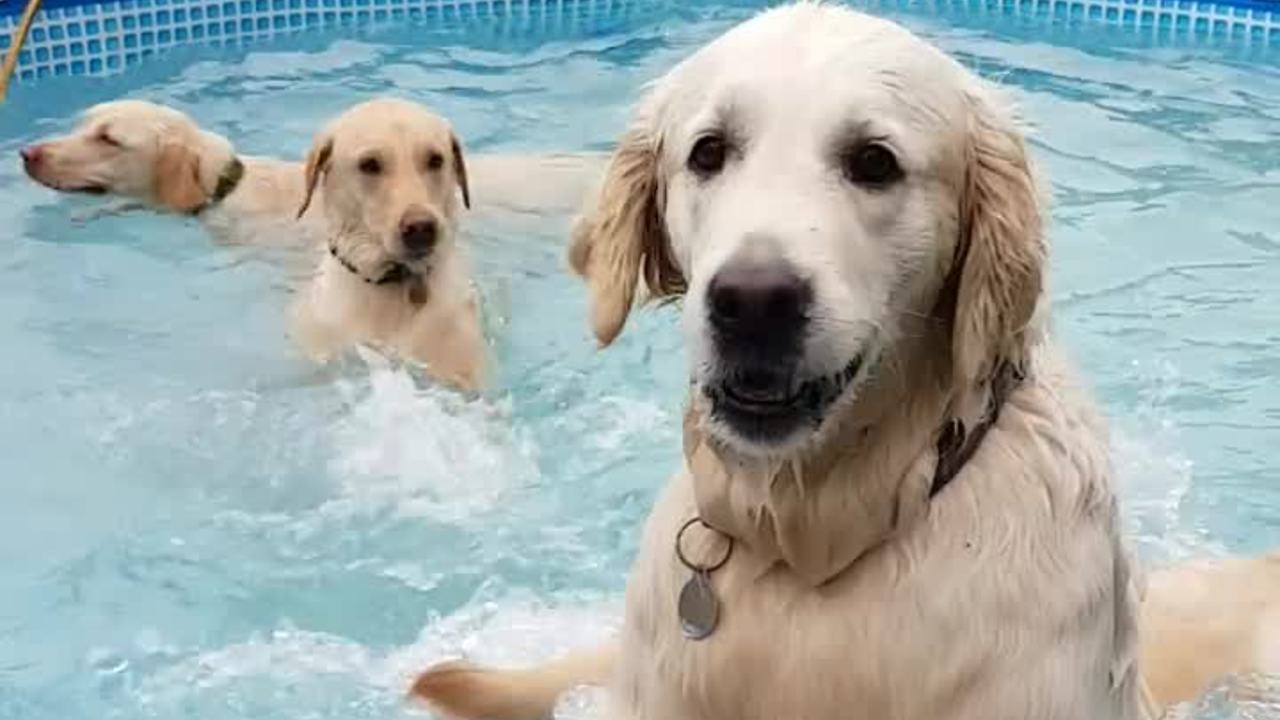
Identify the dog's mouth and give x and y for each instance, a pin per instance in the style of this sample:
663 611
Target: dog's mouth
40 173
86 189
415 261
769 404
77 188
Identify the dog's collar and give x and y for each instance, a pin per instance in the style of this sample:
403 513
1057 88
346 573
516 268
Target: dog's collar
394 274
697 605
228 180
957 444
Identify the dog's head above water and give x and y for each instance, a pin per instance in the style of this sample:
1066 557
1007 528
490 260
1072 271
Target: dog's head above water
134 149
824 191
391 174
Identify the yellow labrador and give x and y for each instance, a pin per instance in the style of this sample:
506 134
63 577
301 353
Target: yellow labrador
895 502
394 274
156 155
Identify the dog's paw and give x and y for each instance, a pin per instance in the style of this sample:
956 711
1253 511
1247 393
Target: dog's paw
452 688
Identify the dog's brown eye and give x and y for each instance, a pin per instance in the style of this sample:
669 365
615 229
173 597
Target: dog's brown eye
370 166
708 155
872 164
435 161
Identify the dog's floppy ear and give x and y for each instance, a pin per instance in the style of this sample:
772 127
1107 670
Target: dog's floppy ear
177 178
1001 254
623 238
460 170
317 165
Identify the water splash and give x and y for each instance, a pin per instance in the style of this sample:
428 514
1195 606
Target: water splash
323 674
423 451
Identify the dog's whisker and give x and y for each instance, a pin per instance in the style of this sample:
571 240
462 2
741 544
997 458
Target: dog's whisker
836 321
923 316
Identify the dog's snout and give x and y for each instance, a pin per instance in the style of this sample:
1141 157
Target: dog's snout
419 231
758 309
32 155
758 298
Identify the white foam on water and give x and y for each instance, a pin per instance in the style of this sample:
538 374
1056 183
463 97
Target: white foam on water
1253 697
1155 475
612 422
422 451
517 631
306 664
287 656
583 703
1153 478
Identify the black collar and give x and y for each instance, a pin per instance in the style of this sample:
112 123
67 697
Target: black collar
956 445
394 274
228 180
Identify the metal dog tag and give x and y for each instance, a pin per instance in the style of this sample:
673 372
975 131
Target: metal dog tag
698 607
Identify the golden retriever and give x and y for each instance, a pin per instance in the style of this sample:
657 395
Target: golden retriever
394 274
896 502
158 156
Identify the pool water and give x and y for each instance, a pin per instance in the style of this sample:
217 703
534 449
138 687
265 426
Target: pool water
197 523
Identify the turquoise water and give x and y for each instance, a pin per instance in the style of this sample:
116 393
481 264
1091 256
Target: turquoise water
196 523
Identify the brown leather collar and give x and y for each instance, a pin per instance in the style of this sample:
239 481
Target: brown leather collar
228 181
957 444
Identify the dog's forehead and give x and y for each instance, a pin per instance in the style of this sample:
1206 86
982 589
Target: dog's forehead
396 124
824 58
134 113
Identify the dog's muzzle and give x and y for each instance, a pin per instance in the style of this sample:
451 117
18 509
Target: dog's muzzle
35 160
759 315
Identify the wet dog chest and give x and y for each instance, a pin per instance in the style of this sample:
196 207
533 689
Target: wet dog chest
778 644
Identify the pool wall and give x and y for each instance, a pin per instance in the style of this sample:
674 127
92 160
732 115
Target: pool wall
73 37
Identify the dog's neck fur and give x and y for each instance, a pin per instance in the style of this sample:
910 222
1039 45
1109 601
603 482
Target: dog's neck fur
868 478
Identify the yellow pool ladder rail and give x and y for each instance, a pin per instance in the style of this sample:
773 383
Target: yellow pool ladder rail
15 46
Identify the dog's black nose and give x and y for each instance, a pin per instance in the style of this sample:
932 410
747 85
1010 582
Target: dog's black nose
763 303
418 233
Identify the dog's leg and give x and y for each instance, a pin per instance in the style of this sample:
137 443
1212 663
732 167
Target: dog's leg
1206 622
452 347
468 692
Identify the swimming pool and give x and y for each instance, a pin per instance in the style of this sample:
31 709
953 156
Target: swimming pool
194 522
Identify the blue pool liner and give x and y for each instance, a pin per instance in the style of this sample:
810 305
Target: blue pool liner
79 37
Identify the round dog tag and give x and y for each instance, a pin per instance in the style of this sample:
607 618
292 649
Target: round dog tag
698 607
